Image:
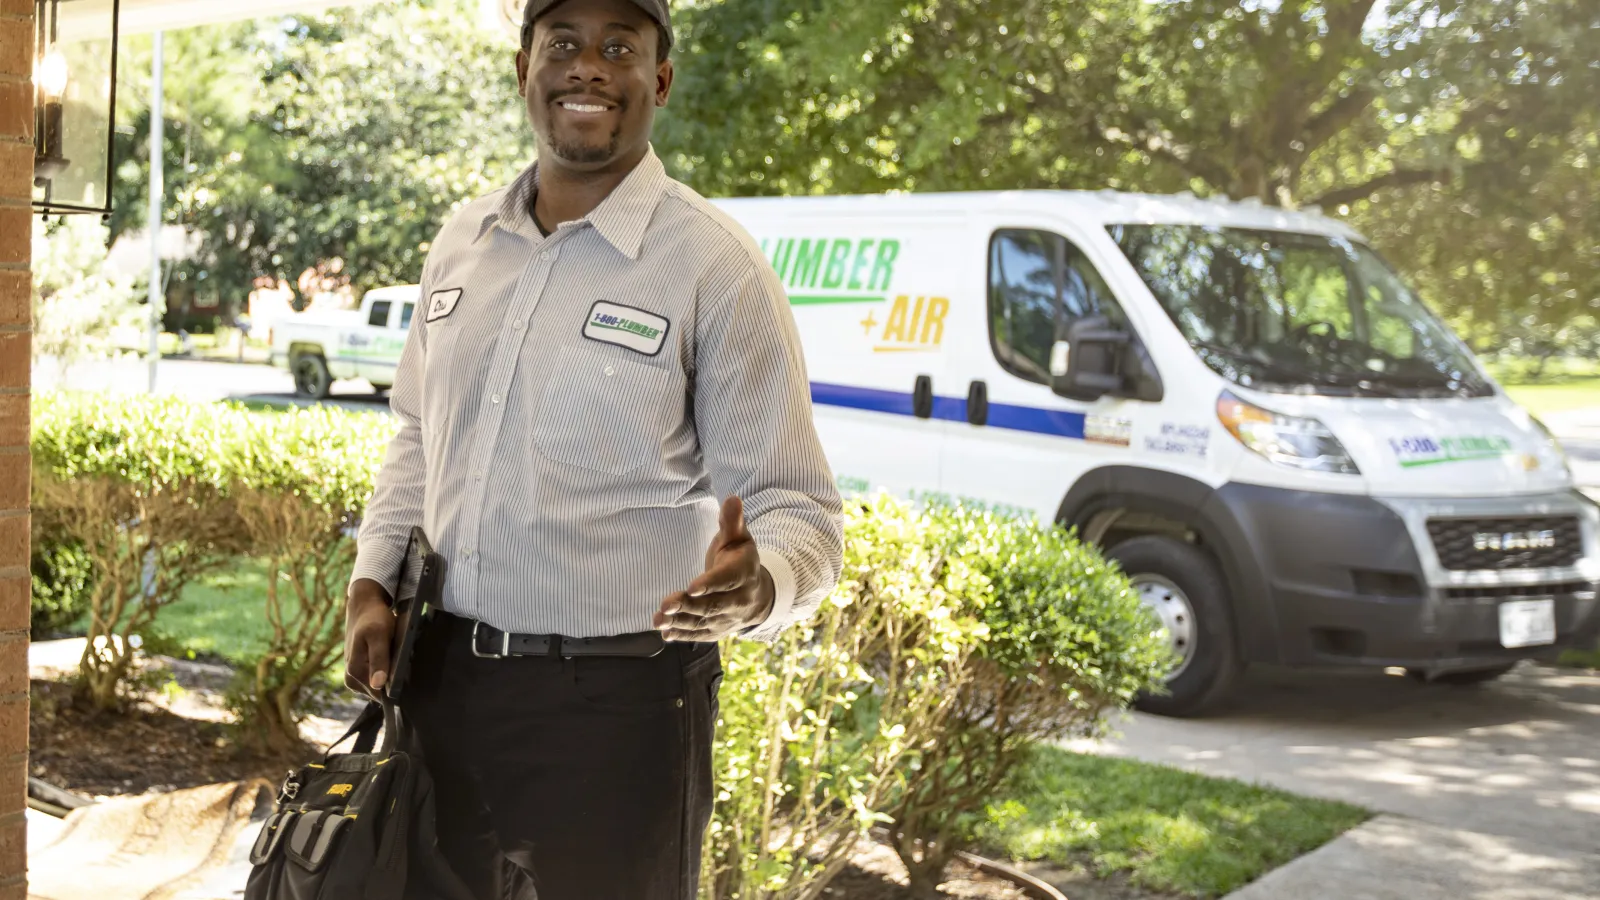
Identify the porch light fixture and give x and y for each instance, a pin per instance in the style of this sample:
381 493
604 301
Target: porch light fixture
75 103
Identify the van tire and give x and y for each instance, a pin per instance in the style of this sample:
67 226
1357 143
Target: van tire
1214 662
311 376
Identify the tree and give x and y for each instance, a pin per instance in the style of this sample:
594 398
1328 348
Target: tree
331 143
1374 111
76 299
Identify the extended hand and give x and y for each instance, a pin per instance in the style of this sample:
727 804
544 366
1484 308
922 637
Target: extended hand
733 593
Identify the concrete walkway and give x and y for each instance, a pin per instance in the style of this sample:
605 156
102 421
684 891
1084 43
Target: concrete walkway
1489 793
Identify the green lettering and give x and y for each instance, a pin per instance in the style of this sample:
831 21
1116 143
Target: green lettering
782 254
861 263
838 260
808 263
883 267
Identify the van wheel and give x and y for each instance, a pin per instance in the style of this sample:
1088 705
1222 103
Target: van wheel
311 376
1184 587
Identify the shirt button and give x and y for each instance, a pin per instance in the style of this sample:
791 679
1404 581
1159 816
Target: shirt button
610 371
495 399
520 325
545 256
466 551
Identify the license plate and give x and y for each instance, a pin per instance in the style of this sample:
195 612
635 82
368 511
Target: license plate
1527 623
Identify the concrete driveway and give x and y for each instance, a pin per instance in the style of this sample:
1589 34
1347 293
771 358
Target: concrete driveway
1489 792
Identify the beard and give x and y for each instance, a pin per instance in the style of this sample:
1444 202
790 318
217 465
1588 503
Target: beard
584 152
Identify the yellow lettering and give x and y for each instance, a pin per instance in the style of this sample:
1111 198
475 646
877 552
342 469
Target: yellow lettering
916 318
933 321
895 330
341 790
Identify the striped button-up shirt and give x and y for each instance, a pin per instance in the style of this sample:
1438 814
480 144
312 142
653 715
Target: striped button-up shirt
572 408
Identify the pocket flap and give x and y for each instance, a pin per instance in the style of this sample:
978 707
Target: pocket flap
272 831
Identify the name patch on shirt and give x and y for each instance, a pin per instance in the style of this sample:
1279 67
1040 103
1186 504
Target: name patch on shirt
626 326
443 303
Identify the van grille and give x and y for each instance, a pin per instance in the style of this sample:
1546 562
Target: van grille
1523 542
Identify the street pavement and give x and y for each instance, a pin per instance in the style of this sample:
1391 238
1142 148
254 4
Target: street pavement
200 380
1489 793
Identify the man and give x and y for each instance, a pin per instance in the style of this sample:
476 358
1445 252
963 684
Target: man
599 355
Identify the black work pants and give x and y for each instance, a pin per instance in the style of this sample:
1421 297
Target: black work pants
589 778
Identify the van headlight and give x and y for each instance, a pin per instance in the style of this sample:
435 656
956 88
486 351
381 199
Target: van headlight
1292 441
1553 443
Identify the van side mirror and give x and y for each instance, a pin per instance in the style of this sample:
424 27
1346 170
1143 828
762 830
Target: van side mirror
1086 363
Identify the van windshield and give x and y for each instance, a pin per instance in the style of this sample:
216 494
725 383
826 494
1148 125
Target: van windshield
1298 312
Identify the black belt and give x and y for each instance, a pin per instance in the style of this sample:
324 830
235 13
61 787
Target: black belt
489 642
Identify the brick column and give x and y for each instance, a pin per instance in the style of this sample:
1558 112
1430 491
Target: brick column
16 325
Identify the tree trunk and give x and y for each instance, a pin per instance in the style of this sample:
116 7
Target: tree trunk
925 878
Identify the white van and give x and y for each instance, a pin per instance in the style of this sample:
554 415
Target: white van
1293 459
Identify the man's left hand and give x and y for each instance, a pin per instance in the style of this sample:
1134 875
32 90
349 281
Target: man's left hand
733 593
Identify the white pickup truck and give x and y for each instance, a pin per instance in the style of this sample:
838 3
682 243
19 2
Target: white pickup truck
319 348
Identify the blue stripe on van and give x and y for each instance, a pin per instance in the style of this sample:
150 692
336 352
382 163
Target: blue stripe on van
1055 422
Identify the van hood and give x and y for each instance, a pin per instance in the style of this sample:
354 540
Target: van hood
1438 448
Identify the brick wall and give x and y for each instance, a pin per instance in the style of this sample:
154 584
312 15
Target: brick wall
16 232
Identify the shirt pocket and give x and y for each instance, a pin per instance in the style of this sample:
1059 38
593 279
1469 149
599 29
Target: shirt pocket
601 413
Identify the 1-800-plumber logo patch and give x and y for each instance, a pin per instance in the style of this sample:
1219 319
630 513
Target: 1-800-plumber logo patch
626 326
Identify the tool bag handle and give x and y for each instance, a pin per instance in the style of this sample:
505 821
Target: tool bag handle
378 714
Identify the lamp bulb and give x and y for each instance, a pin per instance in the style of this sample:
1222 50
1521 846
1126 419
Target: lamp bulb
53 74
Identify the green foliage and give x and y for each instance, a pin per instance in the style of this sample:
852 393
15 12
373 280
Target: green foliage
1066 640
327 145
1167 829
1459 134
798 775
142 485
303 481
77 300
63 575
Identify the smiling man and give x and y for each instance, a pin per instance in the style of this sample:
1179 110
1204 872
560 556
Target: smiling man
606 430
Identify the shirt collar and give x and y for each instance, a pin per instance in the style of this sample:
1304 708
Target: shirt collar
622 218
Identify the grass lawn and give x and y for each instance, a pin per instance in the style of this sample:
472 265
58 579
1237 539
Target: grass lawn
1166 829
1581 659
222 616
1557 396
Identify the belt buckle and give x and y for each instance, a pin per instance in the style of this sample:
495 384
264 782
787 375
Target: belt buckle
505 643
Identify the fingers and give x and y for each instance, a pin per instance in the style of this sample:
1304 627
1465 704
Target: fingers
732 521
378 657
728 576
683 618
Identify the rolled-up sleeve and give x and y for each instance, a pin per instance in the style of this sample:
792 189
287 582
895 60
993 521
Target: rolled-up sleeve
398 500
752 403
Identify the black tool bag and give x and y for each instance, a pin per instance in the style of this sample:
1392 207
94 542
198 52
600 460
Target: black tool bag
356 825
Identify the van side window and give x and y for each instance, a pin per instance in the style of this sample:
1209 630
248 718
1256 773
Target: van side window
405 315
1038 282
379 317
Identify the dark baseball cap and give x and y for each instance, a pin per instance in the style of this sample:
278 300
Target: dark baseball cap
655 9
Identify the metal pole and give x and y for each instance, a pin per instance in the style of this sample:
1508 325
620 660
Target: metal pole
157 190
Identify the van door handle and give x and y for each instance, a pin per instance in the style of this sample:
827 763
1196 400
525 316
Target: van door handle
922 397
978 403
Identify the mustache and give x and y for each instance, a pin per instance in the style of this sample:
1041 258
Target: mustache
619 102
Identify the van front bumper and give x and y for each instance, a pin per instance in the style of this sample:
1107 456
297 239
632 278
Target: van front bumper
1359 581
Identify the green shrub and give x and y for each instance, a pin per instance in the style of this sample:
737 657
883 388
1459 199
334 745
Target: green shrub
798 777
1066 640
303 481
141 484
62 577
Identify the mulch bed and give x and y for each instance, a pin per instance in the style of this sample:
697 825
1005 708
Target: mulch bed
146 749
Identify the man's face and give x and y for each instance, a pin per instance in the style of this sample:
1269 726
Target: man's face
592 82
